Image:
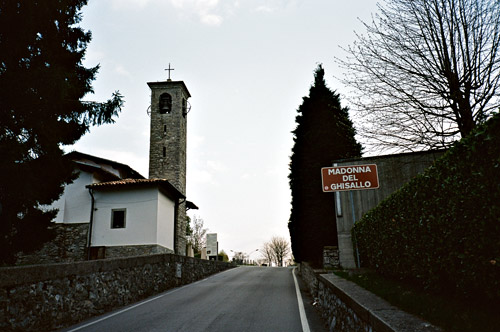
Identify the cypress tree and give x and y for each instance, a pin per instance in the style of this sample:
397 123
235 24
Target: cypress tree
324 133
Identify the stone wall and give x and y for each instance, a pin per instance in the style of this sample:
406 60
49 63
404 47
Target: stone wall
347 307
138 250
69 245
310 277
49 297
331 257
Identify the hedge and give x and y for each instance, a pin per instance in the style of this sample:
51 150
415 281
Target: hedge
442 229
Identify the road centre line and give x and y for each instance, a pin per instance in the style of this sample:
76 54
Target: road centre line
303 317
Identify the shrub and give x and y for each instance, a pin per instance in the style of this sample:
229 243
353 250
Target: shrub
442 229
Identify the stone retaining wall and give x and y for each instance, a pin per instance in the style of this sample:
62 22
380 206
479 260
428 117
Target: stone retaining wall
49 297
138 250
310 277
347 307
69 245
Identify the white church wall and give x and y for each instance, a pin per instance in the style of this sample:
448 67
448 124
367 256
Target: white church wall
140 217
74 203
166 221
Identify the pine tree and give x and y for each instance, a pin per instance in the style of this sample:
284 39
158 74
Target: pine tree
41 109
324 133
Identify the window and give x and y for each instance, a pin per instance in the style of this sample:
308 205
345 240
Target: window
164 129
164 152
118 218
165 103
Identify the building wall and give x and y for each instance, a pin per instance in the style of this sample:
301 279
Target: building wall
166 221
393 172
74 203
140 220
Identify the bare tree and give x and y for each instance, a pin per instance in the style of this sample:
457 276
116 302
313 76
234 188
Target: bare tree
426 72
281 249
198 236
267 253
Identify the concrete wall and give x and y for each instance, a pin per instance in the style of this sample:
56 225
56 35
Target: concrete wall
49 297
393 172
346 307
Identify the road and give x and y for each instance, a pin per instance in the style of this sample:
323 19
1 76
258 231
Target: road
253 299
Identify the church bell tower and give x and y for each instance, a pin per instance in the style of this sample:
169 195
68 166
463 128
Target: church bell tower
167 143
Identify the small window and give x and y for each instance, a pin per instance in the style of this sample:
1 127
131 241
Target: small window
118 218
165 103
164 152
164 129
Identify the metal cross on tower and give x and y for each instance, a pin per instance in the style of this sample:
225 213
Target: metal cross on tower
169 70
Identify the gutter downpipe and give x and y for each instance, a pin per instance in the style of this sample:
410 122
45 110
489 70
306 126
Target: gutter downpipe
89 237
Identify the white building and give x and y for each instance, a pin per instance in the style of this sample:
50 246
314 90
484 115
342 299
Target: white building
133 216
120 211
74 204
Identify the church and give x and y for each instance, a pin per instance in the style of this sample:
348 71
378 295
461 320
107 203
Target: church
111 210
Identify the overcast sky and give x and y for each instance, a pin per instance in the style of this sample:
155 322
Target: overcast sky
247 65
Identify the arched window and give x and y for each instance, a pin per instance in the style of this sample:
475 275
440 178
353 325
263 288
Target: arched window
165 103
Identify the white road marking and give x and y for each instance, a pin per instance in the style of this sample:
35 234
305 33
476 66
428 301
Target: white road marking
144 302
303 317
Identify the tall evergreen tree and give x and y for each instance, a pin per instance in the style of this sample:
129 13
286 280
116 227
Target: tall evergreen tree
41 109
324 133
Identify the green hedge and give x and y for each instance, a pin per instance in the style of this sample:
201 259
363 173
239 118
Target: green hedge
442 229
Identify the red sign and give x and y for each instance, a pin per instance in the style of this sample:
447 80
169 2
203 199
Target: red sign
354 177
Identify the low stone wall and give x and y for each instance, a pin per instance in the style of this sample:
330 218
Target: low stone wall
310 277
139 250
49 297
348 307
69 245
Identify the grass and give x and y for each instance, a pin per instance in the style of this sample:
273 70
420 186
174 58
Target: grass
447 312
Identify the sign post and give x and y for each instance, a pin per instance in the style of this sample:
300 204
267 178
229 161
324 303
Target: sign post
349 178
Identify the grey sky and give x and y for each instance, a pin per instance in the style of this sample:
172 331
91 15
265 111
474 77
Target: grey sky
247 65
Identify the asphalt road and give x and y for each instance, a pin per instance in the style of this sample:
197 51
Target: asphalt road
253 299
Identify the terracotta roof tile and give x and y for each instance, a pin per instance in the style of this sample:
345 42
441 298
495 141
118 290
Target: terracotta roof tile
133 182
126 182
